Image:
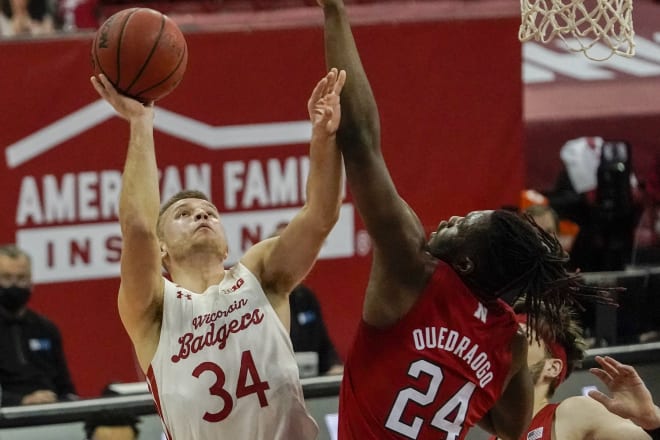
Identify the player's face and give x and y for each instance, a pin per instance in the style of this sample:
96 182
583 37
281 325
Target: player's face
456 234
536 351
536 357
194 225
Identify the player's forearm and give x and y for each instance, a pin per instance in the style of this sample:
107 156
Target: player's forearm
360 122
139 199
324 182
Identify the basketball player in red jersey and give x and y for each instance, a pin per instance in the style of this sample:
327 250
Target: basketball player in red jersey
214 342
552 358
436 351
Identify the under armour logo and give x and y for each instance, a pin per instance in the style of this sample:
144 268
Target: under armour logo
180 294
481 313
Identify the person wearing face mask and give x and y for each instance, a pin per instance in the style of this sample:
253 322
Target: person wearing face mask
33 368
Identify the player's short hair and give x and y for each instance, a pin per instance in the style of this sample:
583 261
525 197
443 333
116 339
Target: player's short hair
184 194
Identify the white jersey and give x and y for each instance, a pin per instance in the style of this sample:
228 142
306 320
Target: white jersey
224 367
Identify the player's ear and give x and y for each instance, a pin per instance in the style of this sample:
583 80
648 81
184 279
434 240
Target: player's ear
163 250
463 265
553 367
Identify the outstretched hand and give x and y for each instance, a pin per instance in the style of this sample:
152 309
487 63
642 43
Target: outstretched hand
128 108
631 398
323 106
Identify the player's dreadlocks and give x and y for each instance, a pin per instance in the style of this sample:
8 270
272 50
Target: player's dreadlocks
523 259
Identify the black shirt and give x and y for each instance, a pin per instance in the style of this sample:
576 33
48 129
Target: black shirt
31 358
308 332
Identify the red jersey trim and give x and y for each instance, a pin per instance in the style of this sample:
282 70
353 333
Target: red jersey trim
151 382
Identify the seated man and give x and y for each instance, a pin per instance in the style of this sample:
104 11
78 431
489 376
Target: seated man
32 366
308 331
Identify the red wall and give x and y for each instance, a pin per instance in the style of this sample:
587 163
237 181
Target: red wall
450 103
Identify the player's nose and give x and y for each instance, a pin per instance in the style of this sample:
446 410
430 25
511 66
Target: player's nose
201 215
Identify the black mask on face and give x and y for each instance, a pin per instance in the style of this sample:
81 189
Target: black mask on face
14 297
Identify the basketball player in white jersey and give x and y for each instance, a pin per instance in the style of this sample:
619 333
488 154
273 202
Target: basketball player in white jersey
214 343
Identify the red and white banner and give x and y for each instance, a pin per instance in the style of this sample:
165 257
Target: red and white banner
236 128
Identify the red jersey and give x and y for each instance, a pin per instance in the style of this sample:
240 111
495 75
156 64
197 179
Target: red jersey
433 374
540 428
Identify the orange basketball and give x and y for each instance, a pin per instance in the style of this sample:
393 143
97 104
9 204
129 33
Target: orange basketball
142 52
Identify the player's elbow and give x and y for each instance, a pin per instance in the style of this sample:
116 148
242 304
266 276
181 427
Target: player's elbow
327 222
359 135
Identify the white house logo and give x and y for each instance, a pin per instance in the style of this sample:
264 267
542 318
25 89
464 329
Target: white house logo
191 130
68 222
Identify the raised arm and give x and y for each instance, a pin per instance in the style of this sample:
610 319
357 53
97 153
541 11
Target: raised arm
397 234
282 262
141 288
512 412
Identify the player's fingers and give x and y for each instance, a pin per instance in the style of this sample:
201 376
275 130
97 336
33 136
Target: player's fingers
106 83
318 91
610 365
602 375
600 397
98 86
331 76
619 366
341 80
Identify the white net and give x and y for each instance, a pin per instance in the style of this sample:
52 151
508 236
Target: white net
581 24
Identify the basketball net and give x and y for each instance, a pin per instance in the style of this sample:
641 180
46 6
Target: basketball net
580 25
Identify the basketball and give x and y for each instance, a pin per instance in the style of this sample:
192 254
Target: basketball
142 52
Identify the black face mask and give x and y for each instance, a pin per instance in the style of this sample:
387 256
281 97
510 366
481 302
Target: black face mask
14 297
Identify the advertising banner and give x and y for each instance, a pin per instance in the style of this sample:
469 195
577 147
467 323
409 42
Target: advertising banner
236 128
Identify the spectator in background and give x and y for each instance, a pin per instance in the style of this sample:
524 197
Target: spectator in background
598 190
77 15
26 17
647 235
32 366
308 330
111 425
538 206
545 217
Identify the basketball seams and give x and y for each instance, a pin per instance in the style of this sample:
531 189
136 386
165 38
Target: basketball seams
151 53
97 59
183 57
119 42
136 50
